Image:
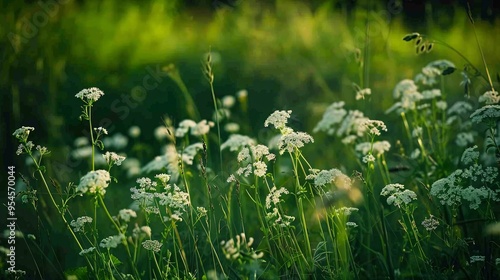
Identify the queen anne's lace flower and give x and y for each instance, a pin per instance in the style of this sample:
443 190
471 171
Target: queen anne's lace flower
294 140
90 94
22 133
80 222
333 116
201 128
279 119
470 155
260 168
112 241
490 97
86 251
274 196
236 141
113 158
373 127
94 182
397 195
240 248
430 223
125 214
101 130
486 112
360 94
334 176
152 245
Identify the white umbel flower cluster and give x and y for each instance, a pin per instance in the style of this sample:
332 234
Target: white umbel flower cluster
94 182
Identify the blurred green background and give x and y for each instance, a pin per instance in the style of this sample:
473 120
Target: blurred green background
294 55
282 52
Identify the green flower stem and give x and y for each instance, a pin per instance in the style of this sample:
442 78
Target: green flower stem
407 129
217 121
300 207
101 200
58 209
89 109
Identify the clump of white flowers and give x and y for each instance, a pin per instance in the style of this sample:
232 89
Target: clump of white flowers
152 245
94 182
236 141
490 97
112 241
240 248
22 133
289 141
473 184
486 113
87 251
197 129
398 195
113 158
89 95
79 224
172 197
274 215
126 214
430 223
333 176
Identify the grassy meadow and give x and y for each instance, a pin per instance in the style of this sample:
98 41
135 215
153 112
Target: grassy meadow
249 140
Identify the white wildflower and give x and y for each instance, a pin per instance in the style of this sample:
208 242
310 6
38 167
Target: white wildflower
274 196
101 131
397 195
80 222
333 115
22 133
236 141
134 131
278 119
232 127
112 241
113 158
201 128
294 140
486 112
368 158
459 108
334 176
474 259
260 168
470 155
430 223
162 132
490 97
228 101
125 214
360 94
86 251
90 95
431 94
152 245
94 182
441 105
404 87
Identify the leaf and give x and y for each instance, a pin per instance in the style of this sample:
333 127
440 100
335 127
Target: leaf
79 272
448 71
114 260
409 37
